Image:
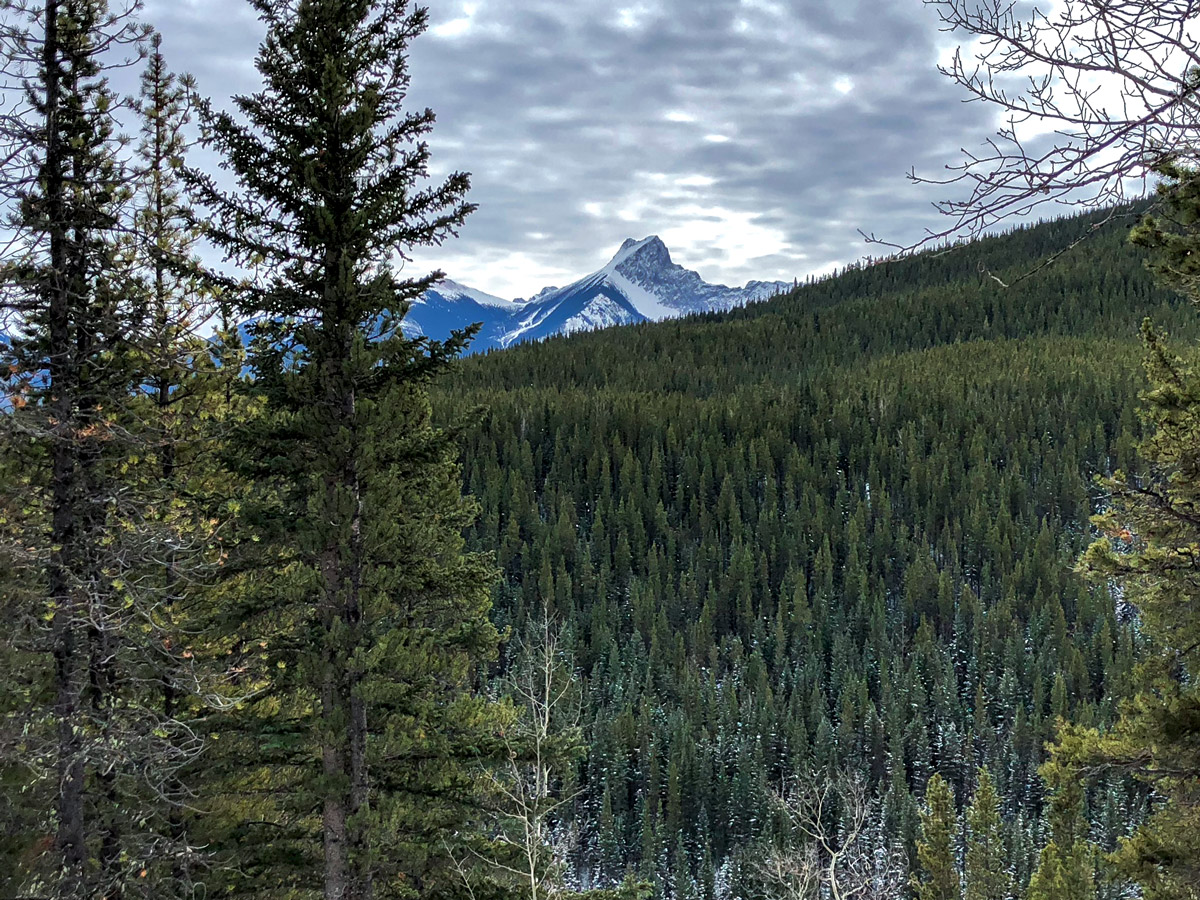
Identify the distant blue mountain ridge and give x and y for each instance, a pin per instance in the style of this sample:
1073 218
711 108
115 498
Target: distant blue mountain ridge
640 284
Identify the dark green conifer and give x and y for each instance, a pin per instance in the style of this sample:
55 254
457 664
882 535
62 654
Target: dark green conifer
361 621
1150 543
1067 864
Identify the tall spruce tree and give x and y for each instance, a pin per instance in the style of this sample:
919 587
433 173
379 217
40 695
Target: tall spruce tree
362 622
987 870
97 754
92 515
938 877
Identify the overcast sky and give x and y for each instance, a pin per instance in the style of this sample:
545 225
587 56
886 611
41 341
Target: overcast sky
754 136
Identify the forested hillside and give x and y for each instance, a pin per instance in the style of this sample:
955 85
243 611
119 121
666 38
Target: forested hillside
832 531
883 589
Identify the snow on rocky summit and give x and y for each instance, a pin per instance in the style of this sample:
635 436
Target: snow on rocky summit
641 283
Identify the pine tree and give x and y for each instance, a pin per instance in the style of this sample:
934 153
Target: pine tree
180 413
936 853
371 620
1066 867
91 516
1151 538
987 866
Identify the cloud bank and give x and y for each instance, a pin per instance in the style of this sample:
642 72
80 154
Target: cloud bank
754 136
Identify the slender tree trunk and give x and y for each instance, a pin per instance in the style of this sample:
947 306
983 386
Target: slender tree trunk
103 689
333 761
348 871
344 754
344 715
335 710
363 888
94 594
171 695
70 839
333 755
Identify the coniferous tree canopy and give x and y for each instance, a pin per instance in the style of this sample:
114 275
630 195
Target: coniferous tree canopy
830 531
67 293
1067 865
987 864
360 619
256 623
103 552
1151 535
938 877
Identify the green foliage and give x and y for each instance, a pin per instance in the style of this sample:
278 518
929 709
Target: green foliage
629 889
1150 544
1067 866
93 524
987 872
1170 234
937 877
357 618
829 531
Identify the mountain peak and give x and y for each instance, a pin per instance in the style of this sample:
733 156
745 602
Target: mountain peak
451 290
641 283
651 249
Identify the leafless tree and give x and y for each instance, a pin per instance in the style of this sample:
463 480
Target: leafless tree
541 743
532 788
1093 94
835 849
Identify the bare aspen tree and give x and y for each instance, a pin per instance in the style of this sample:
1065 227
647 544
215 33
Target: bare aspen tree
835 849
532 786
1093 96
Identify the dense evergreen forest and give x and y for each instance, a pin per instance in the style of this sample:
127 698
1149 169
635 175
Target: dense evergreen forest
883 589
832 531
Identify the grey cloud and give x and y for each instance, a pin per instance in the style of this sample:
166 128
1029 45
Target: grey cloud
579 129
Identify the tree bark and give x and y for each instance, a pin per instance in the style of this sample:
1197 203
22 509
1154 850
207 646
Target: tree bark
347 874
70 838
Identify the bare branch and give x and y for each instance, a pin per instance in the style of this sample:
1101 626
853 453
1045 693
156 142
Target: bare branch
1092 98
836 848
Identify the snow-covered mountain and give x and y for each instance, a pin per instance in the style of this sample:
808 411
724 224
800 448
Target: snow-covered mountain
450 305
641 283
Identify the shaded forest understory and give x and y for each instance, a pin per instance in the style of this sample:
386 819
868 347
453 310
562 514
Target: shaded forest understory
835 530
